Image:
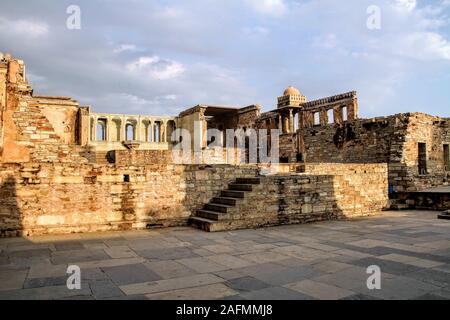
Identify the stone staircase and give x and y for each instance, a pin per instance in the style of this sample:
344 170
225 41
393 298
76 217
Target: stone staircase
218 214
445 215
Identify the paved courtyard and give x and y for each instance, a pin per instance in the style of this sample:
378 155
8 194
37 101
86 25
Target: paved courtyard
325 260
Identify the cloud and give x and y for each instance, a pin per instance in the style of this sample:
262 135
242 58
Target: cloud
407 5
328 41
156 67
134 103
269 7
256 31
24 27
160 58
124 47
426 46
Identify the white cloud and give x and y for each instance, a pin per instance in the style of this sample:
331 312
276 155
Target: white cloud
124 47
156 67
256 31
170 97
24 27
135 104
408 5
425 46
328 41
269 7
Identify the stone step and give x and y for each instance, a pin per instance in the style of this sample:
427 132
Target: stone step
218 207
225 200
232 194
444 215
201 223
240 187
248 180
211 215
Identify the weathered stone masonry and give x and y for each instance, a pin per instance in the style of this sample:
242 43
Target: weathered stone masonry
66 169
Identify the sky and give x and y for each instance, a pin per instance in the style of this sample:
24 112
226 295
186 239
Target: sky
159 57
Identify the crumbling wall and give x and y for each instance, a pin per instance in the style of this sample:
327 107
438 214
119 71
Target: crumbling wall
359 141
393 140
62 114
434 132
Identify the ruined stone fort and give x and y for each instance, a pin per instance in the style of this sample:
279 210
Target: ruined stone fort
65 168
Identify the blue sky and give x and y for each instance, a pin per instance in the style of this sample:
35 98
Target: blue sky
160 57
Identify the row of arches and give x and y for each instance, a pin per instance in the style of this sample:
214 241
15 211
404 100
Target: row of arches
330 115
116 129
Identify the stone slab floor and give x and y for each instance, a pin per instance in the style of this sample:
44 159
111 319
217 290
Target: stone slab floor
326 260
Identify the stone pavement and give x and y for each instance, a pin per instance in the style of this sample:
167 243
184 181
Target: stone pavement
326 260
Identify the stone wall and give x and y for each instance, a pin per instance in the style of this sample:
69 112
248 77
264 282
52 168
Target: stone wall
393 140
142 157
39 198
327 191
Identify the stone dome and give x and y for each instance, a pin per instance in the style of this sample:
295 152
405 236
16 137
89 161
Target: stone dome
291 91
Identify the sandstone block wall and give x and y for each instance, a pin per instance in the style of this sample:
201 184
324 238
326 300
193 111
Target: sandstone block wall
39 198
393 140
141 157
328 191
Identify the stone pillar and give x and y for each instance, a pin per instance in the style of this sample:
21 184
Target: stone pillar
94 129
150 130
164 131
108 129
323 117
352 109
291 121
84 128
300 120
337 113
280 122
286 124
123 135
139 129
